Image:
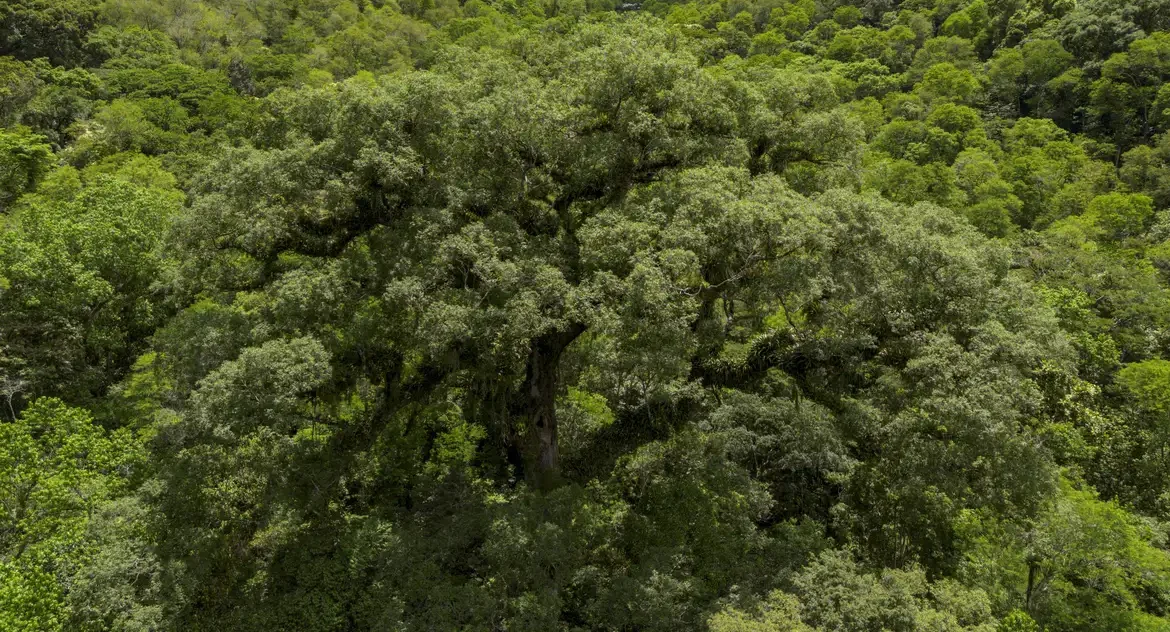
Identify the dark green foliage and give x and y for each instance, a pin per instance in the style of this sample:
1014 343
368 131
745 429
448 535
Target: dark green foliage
55 29
749 316
24 161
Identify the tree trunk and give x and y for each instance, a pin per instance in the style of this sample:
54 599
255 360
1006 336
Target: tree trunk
1031 586
539 397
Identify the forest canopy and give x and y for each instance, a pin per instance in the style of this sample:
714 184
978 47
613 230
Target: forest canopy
735 315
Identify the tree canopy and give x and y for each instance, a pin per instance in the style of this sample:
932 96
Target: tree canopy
747 316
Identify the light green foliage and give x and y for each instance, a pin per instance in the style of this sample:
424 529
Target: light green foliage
78 270
944 82
1088 332
131 47
1018 621
149 126
837 595
1075 568
1120 215
1144 169
56 469
780 612
1149 383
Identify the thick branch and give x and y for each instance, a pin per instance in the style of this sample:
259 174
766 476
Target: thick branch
777 349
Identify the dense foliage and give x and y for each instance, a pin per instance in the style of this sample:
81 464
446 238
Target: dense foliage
739 315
